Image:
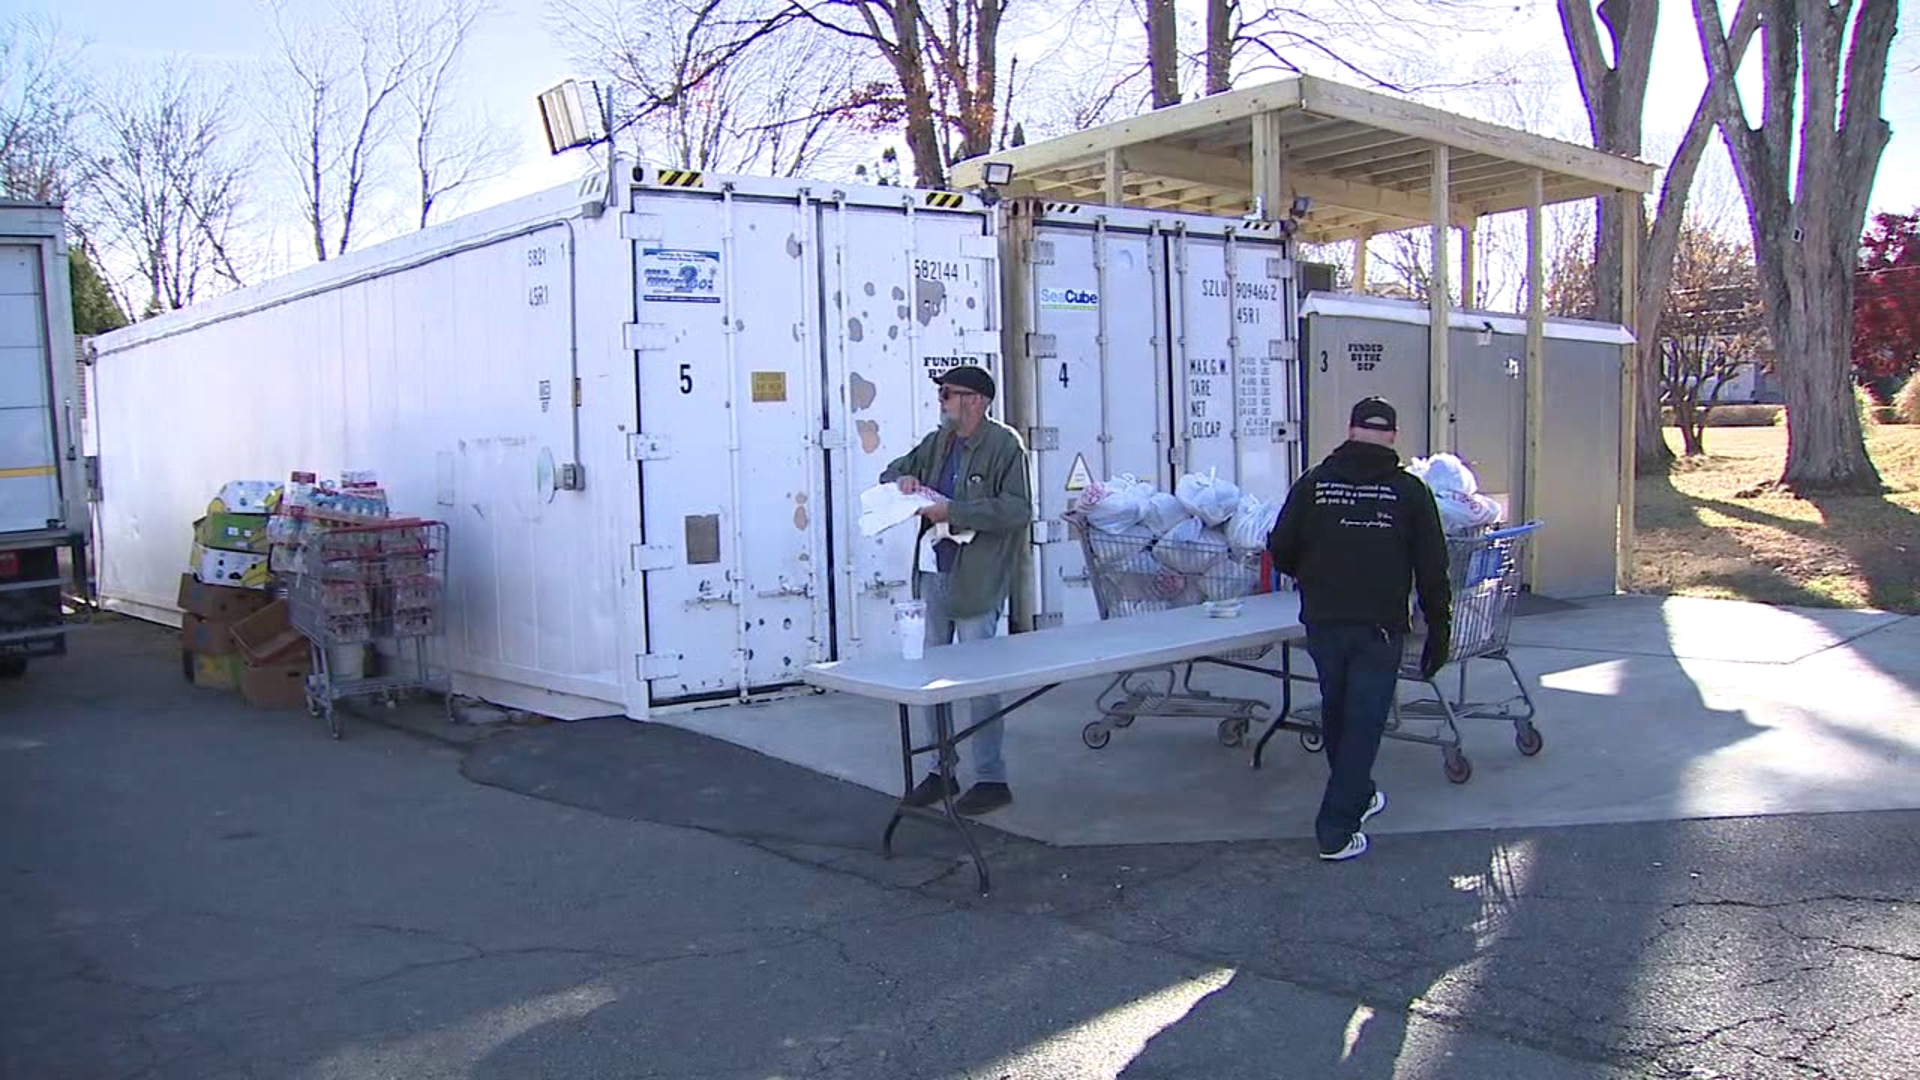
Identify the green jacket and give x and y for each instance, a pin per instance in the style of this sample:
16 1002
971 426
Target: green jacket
995 500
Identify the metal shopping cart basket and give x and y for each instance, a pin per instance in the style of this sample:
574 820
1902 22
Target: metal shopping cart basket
1484 570
1135 574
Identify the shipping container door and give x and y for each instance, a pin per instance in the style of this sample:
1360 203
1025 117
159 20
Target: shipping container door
1232 311
728 377
1354 357
1096 298
1489 404
907 295
29 462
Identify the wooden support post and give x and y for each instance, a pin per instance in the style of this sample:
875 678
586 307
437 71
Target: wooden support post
1629 389
1116 188
1440 312
1536 370
1360 259
1272 188
1469 272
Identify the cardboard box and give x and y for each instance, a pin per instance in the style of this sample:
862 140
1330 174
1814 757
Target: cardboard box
275 686
233 532
216 672
218 603
233 569
244 497
198 635
267 638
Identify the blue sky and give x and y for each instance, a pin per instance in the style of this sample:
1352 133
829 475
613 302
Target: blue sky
512 58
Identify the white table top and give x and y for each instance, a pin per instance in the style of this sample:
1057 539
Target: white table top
1020 662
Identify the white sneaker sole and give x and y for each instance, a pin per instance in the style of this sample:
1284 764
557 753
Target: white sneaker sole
1355 848
1378 804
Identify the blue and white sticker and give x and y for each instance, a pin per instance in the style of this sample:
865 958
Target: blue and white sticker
1069 300
678 276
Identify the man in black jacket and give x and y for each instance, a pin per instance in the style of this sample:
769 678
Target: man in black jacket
1358 533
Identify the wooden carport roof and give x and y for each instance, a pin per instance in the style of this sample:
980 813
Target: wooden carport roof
1366 160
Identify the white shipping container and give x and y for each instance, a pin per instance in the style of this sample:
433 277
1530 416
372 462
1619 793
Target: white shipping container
1149 344
646 415
41 490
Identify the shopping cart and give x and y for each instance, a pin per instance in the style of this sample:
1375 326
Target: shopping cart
376 587
1133 574
1484 570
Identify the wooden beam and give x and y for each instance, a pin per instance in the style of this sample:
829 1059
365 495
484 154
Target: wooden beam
1536 370
1629 390
1469 255
1116 180
1216 170
1323 98
1440 311
1360 260
1271 190
1171 122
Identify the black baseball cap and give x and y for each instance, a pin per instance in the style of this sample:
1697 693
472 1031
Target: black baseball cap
969 377
1374 414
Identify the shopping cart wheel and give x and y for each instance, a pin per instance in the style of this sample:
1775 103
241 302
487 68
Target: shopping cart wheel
1459 770
1528 740
1311 742
1096 735
1232 732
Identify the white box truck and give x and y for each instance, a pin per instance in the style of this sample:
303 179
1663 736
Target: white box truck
43 498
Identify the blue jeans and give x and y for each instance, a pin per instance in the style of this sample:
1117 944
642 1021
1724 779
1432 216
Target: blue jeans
1359 669
944 629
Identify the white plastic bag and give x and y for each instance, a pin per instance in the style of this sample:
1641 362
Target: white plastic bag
1251 524
1190 548
1162 513
1230 580
1115 504
1119 547
1456 491
1208 497
1446 473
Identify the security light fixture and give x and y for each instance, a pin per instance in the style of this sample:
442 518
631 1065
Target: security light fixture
997 174
572 115
1301 204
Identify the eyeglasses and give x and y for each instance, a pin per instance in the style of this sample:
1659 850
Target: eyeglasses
948 393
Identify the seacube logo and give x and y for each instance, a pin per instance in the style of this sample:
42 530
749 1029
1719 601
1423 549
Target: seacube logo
1069 299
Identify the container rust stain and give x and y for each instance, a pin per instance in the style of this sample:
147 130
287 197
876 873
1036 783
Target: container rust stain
932 299
869 434
861 392
800 517
856 330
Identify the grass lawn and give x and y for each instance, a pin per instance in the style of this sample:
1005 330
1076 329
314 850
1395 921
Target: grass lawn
1697 537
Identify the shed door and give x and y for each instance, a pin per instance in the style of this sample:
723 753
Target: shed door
29 461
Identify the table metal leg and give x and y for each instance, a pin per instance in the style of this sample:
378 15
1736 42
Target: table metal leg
1286 702
906 780
949 758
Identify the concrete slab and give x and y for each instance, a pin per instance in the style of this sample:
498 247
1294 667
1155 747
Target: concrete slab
1698 629
1652 732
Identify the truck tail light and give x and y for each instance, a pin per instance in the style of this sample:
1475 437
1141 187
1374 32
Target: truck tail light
9 564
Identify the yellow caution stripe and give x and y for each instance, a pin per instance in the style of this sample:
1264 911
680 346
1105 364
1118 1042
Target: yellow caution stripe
945 200
31 470
678 178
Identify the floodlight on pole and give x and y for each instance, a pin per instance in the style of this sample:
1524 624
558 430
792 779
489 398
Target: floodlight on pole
570 120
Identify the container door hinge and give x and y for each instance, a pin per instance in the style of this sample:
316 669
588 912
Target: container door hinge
1049 531
644 337
1282 349
1042 346
1043 438
1279 269
649 558
1039 253
975 246
641 228
1048 620
657 665
644 447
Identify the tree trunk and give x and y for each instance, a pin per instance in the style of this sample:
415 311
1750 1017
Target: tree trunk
1220 45
1163 52
909 66
1826 449
1692 423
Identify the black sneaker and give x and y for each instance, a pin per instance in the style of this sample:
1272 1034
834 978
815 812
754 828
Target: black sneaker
983 799
927 793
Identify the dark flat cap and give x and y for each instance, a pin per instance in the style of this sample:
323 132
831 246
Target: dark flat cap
969 377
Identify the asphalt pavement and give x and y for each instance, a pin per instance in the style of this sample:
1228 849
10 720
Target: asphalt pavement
194 889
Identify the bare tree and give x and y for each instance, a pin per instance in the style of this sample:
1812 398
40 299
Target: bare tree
729 85
43 99
168 184
1384 43
451 148
1710 329
1163 51
338 89
1615 93
1220 35
1807 194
